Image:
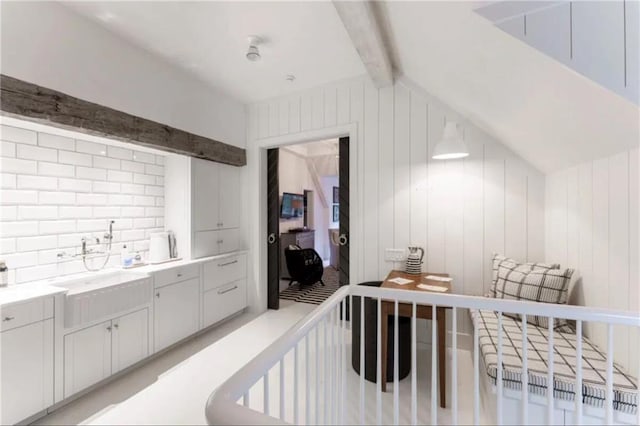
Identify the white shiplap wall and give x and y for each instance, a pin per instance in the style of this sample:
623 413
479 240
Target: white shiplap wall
592 225
460 211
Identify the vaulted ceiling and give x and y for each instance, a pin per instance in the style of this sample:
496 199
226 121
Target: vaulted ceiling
544 111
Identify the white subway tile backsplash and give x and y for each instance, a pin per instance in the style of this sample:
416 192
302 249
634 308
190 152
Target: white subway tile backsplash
159 201
15 165
143 200
57 227
50 256
131 166
16 134
75 185
37 243
8 212
121 153
91 147
37 212
155 190
141 245
91 173
91 199
19 229
56 141
57 198
30 152
106 187
154 170
21 260
13 196
120 199
123 223
132 188
69 241
153 211
148 232
144 157
55 169
160 160
160 180
7 245
160 221
24 275
144 179
74 212
36 182
146 222
75 158
133 211
106 212
116 176
8 149
7 181
133 234
106 162
90 225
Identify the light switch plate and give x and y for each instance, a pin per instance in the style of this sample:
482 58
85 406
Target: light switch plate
394 255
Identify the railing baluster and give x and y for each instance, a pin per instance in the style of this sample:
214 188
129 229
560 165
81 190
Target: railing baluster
362 366
434 365
499 373
476 376
295 385
414 367
609 408
326 371
317 394
525 373
578 385
343 395
396 370
336 363
331 371
454 364
550 367
282 389
265 400
379 365
307 382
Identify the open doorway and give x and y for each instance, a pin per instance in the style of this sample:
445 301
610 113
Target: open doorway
308 220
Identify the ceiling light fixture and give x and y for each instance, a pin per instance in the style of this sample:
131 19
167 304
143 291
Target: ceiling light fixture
253 54
451 146
290 78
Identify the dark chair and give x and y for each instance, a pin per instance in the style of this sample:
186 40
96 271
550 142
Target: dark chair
304 265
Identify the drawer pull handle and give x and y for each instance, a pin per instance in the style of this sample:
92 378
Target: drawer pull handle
109 329
115 326
227 290
220 241
158 295
5 319
227 264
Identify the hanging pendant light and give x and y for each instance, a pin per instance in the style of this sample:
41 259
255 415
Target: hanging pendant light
451 146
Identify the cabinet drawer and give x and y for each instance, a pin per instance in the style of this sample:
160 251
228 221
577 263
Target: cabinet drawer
24 313
224 301
223 271
174 275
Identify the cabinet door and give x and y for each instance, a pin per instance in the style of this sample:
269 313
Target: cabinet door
205 195
229 240
87 357
130 340
176 312
229 201
27 371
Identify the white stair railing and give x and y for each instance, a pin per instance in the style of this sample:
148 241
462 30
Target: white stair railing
333 394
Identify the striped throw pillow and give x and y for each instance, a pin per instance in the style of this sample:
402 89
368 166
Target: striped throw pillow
538 285
512 264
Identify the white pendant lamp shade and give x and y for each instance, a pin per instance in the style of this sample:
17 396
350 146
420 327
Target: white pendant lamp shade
451 146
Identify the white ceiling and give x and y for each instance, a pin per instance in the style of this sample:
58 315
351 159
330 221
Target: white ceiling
209 40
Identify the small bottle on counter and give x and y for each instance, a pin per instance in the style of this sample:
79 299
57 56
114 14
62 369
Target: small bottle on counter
4 274
126 257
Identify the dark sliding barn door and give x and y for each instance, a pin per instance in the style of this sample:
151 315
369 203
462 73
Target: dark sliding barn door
273 230
344 210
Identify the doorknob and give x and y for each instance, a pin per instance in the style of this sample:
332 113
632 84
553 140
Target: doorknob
272 238
343 239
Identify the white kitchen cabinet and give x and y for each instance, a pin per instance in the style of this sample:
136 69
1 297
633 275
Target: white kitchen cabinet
26 355
87 357
206 189
129 340
224 288
229 197
176 312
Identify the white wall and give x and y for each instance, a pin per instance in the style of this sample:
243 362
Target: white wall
57 187
592 225
328 182
460 211
48 44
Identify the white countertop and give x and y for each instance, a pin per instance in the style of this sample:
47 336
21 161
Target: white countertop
22 292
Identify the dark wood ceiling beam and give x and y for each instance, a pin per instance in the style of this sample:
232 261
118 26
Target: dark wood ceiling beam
31 102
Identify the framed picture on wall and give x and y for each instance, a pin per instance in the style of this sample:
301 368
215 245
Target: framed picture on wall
336 195
336 212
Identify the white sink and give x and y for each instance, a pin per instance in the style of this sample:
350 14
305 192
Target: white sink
94 297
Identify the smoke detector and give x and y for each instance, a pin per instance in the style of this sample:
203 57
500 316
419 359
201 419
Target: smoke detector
290 78
253 54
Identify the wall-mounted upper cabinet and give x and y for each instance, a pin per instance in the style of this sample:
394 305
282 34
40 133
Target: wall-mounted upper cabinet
598 39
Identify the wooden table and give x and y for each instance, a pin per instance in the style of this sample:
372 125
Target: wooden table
422 311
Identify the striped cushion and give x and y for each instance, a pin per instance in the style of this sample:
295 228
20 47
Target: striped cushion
505 262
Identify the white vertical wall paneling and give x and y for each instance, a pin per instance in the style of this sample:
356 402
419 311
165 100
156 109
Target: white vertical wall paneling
283 117
370 182
573 239
317 109
515 210
263 120
494 220
385 173
418 154
474 254
343 103
535 217
402 167
356 93
330 106
556 218
274 118
600 241
634 254
294 114
305 112
585 235
436 216
619 247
